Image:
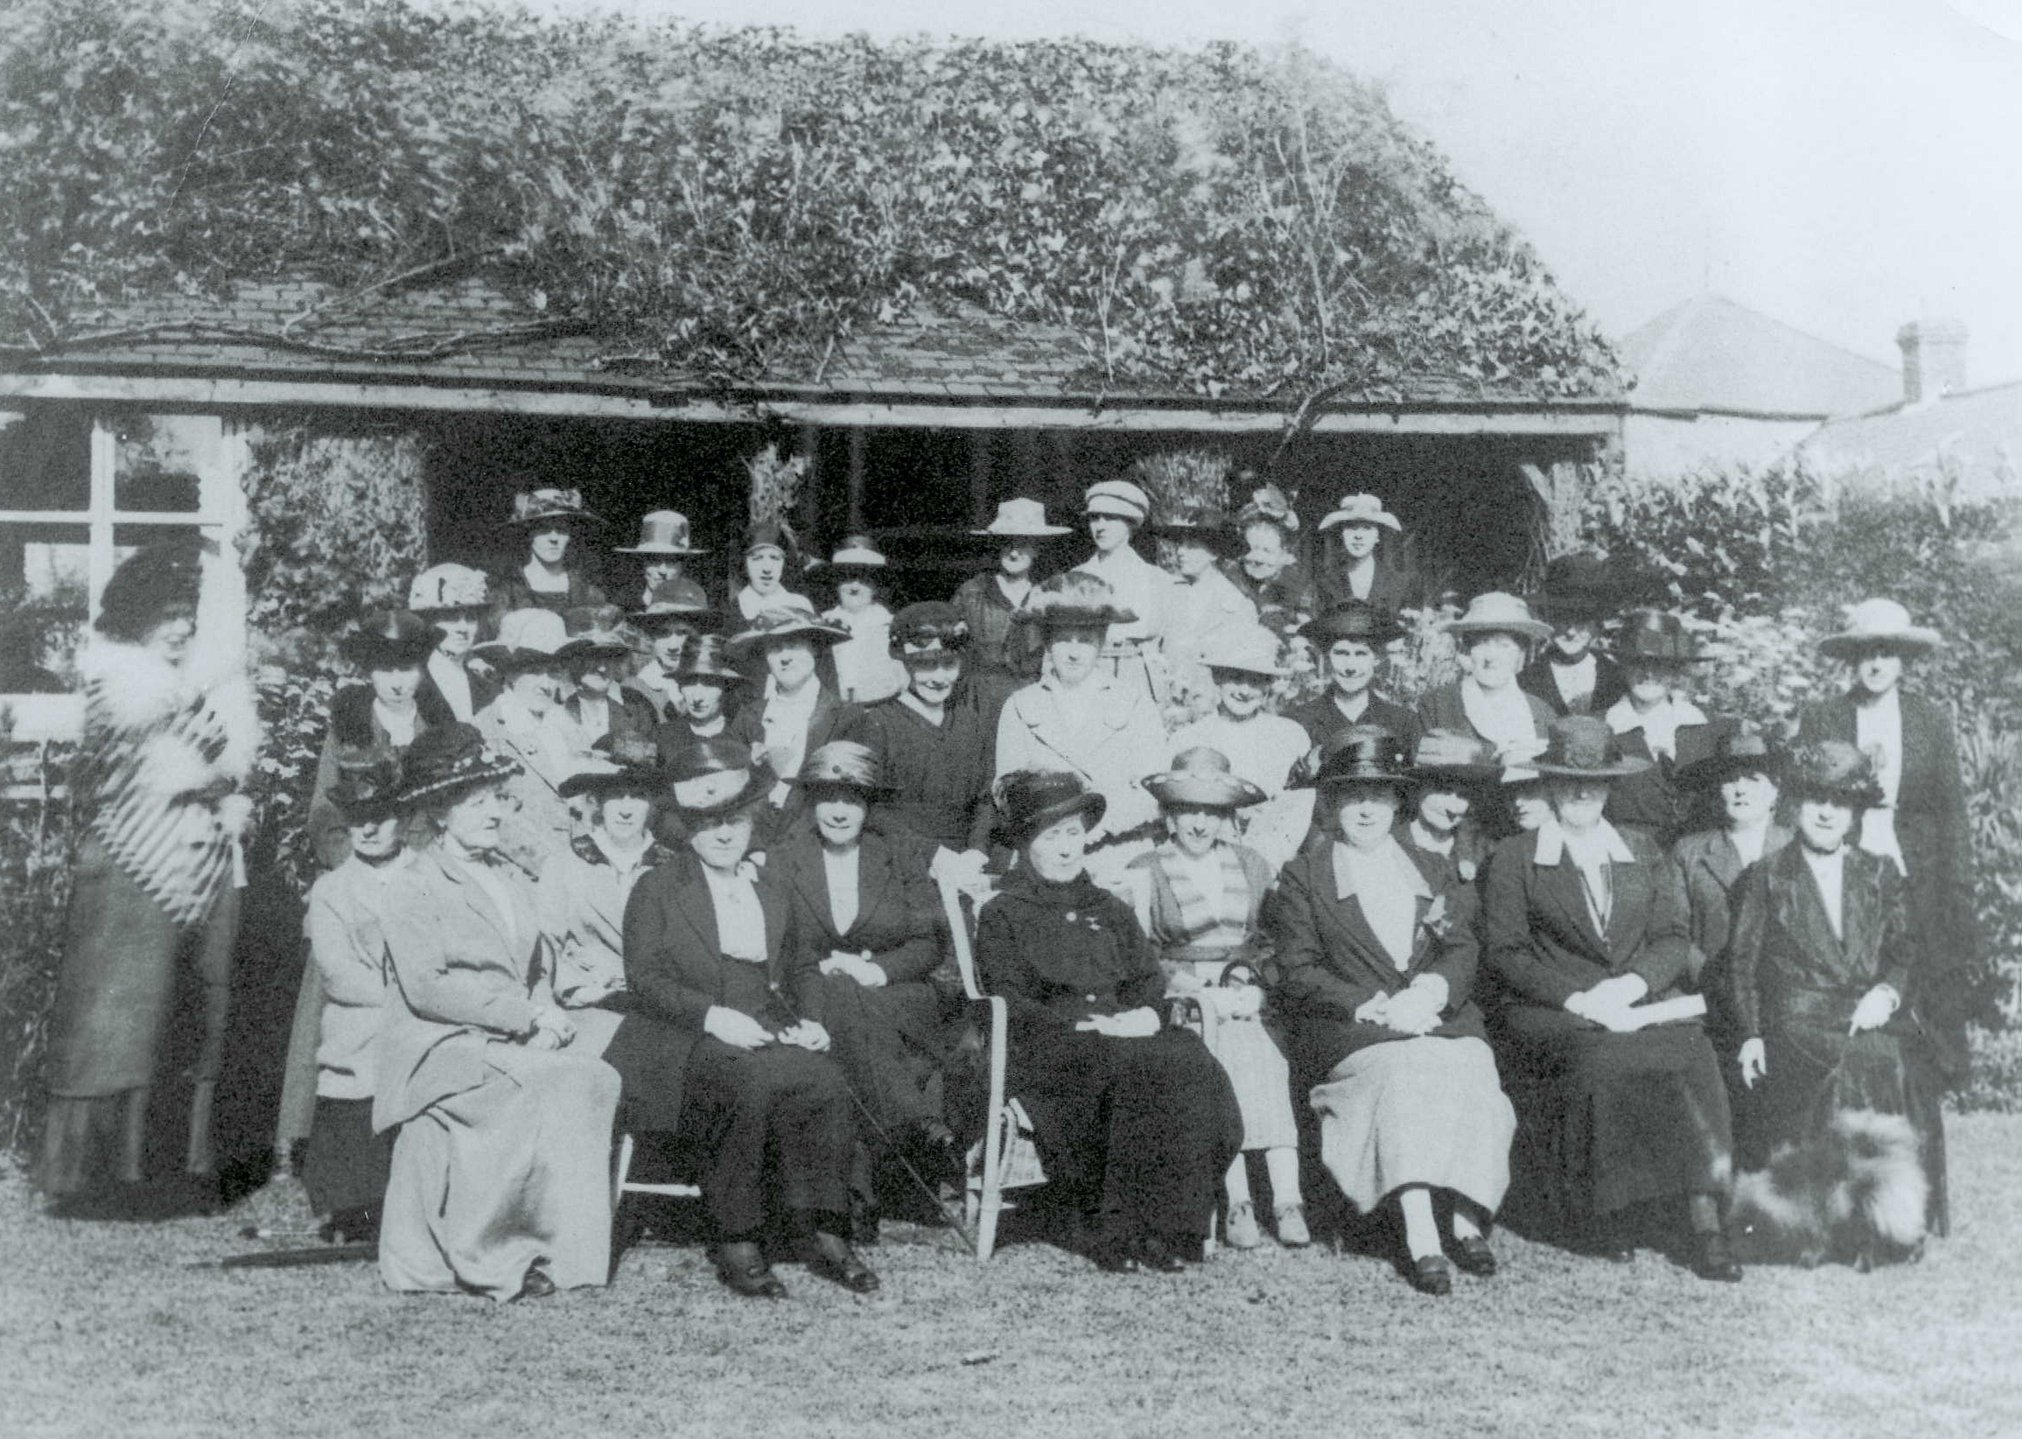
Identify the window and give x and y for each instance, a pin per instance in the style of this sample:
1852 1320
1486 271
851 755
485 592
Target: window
81 490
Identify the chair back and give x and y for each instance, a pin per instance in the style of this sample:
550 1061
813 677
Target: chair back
961 902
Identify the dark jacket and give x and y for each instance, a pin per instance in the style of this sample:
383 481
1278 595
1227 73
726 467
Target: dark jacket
632 713
998 643
484 688
1330 962
1708 867
1541 946
1788 969
1322 717
353 726
1059 953
1441 709
898 921
940 774
1609 684
1391 588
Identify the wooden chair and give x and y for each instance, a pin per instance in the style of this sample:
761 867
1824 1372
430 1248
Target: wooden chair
623 1184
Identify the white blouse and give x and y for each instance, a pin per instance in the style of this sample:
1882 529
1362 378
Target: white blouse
740 920
1387 886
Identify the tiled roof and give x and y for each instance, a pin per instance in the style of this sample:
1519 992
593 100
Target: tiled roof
1712 354
1975 435
275 329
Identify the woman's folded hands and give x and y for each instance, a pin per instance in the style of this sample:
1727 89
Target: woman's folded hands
859 967
1608 1003
552 1029
1139 1023
734 1027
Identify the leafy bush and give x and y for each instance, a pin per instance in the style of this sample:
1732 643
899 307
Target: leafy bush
34 890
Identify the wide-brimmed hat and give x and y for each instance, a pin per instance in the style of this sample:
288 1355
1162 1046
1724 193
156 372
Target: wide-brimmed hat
1583 587
1834 770
594 633
1716 751
1498 612
1214 532
1449 757
366 784
1028 800
1583 747
706 658
1251 649
714 777
1022 519
929 627
390 640
1351 620
856 557
444 761
787 621
1268 504
662 532
622 762
1357 753
1359 510
1654 637
527 639
1074 597
453 588
844 764
547 504
1121 498
680 601
1879 624
1201 778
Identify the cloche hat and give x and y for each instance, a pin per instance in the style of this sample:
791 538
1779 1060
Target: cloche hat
1450 757
844 764
714 777
1879 624
1356 753
1121 498
1201 777
705 658
662 532
1351 620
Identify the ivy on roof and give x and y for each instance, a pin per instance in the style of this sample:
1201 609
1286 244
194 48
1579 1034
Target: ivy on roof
735 203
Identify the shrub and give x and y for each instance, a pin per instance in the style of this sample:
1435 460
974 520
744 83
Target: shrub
34 890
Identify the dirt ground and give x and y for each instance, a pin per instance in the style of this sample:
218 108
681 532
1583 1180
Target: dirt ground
112 1328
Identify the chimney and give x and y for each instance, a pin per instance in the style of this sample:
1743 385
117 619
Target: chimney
1934 358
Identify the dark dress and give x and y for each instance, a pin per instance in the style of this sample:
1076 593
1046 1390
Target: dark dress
1321 718
1605 1120
1952 984
888 1039
940 773
1137 1132
998 643
1391 587
1609 685
748 1124
1795 984
512 592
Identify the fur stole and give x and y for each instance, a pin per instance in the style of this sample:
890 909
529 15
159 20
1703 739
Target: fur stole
131 690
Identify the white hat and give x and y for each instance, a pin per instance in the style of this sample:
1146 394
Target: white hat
525 636
1120 498
1879 624
1360 510
1249 648
447 587
1023 519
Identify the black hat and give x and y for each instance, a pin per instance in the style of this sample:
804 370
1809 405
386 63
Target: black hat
793 619
593 634
1351 620
929 627
713 778
845 764
1363 752
626 762
367 782
444 761
1213 532
390 640
1028 800
148 585
1655 637
706 657
1582 588
677 602
1074 597
1583 747
1833 770
548 504
1448 757
1717 751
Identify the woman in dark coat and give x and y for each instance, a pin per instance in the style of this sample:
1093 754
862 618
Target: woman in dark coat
1377 951
1920 824
550 573
1135 1122
385 713
865 917
724 1044
937 740
1822 960
1582 922
1361 564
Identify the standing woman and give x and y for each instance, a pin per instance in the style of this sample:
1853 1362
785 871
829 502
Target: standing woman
454 601
1362 566
552 575
1000 647
1920 824
1486 702
865 671
1260 747
501 1172
596 653
671 626
1742 768
527 725
1377 953
157 808
1133 647
768 554
387 713
1135 1122
934 739
1656 657
664 552
798 712
1349 641
1582 923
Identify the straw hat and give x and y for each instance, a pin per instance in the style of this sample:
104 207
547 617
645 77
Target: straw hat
1250 649
1583 747
1360 752
661 532
593 633
1655 637
1201 778
855 558
624 762
1028 800
1351 620
1715 752
1022 519
443 762
1359 510
714 777
1879 624
527 639
1120 498
1833 770
448 588
1499 613
547 504
390 640
785 622
1448 756
929 627
845 764
1074 597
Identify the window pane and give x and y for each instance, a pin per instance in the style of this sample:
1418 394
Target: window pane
44 593
45 459
128 538
157 458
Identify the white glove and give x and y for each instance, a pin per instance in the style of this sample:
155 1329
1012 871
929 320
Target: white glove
1754 1061
1373 1009
552 1030
1877 1008
1246 1001
806 1034
734 1027
1139 1023
1414 1010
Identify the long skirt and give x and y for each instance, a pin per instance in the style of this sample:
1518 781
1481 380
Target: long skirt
888 1043
1416 1111
1814 1072
1137 1132
762 1131
1606 1121
115 994
1256 1068
347 1164
517 1171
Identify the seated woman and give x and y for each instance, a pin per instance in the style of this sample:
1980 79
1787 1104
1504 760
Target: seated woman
1198 896
1377 954
1135 1122
347 1164
1822 964
1581 923
1742 767
724 1046
584 889
1450 770
500 1183
1260 747
866 918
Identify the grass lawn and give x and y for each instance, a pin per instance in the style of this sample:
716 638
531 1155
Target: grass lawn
126 1329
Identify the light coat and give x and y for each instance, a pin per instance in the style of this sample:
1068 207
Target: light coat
1112 738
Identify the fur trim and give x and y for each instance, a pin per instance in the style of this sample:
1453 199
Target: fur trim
135 688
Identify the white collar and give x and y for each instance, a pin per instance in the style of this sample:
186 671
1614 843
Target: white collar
1607 839
1386 868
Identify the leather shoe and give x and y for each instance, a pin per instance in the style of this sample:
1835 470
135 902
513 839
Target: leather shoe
1431 1275
1116 1256
1473 1256
830 1256
1711 1259
1157 1257
742 1268
536 1285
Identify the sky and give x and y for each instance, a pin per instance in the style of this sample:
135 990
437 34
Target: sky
1841 165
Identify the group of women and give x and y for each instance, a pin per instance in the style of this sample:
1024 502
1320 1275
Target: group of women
1529 941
